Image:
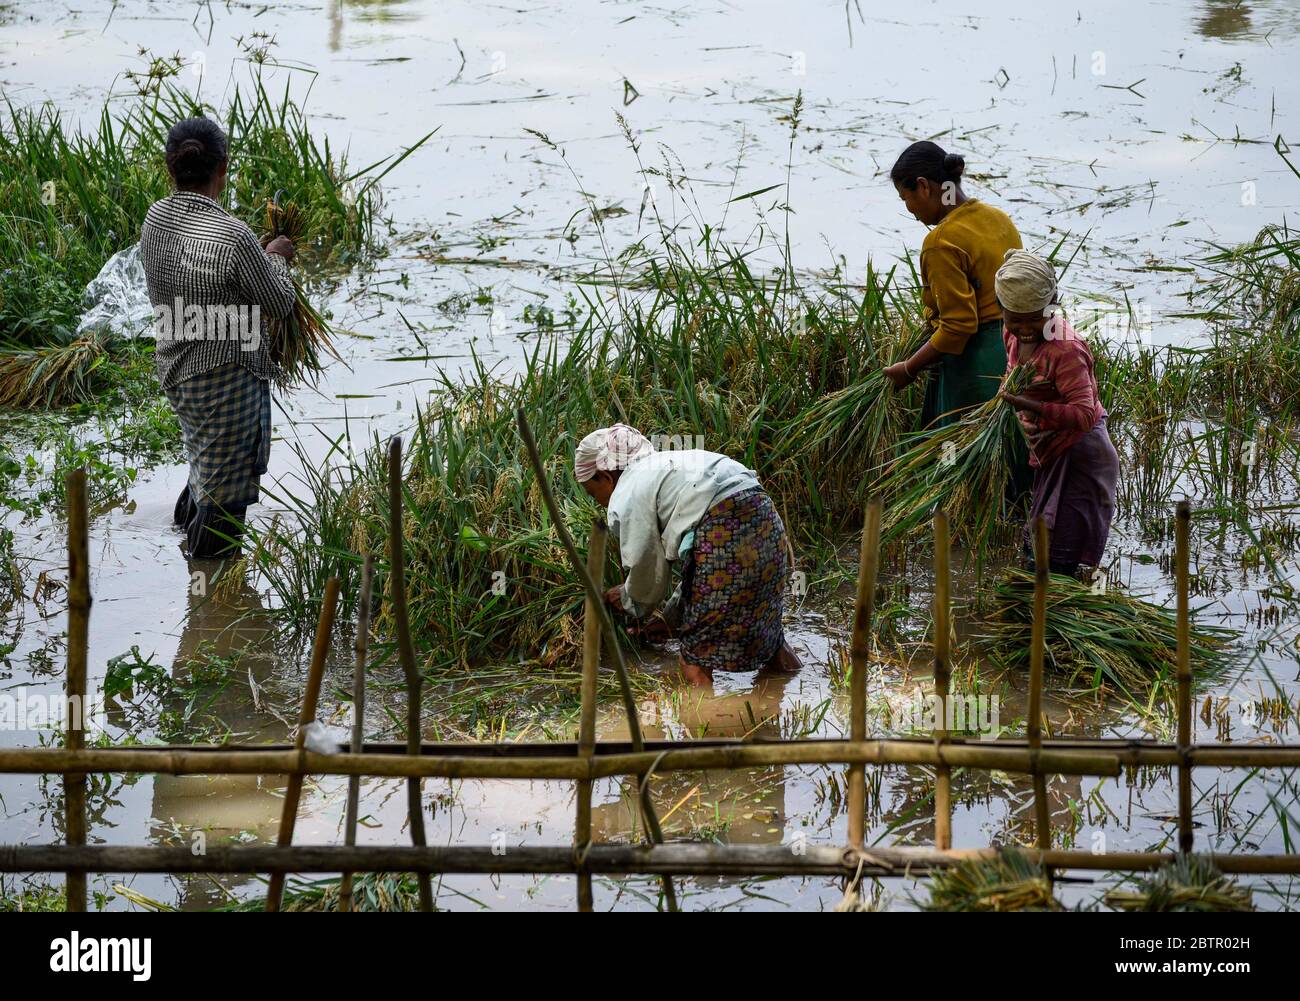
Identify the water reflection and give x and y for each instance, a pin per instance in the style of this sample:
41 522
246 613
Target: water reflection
1241 20
735 807
228 627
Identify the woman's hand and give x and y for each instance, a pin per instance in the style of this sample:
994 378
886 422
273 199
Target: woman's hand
899 375
1021 402
283 246
614 598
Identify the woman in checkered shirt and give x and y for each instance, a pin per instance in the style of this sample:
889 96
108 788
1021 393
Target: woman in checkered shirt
214 288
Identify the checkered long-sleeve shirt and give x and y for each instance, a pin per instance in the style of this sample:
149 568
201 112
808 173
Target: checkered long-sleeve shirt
195 254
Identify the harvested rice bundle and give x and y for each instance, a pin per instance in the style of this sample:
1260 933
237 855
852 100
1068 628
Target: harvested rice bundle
371 891
52 376
297 340
1188 883
962 469
1009 881
1097 636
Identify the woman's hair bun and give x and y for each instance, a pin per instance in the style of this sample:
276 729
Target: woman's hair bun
953 165
196 147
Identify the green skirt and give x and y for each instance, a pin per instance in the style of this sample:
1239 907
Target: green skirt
959 382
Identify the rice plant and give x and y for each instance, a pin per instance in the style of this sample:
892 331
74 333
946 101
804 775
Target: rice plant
964 469
1097 638
1009 881
75 197
298 339
1188 883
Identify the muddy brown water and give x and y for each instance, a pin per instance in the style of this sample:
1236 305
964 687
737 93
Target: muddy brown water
1146 126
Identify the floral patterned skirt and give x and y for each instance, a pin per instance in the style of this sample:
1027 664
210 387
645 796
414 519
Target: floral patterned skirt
734 586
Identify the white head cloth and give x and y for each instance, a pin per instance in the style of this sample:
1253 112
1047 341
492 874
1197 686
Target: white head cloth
1025 283
609 449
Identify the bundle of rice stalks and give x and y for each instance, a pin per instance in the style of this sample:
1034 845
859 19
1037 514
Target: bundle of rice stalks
371 891
963 469
1095 637
52 376
1009 881
1189 883
298 340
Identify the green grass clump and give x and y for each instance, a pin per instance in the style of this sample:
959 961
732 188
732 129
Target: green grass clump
1009 881
1097 637
710 353
1188 883
75 197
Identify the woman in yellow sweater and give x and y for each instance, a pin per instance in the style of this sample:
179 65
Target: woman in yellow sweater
959 257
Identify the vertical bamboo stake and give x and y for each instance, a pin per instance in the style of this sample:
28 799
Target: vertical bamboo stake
1184 653
614 651
74 785
293 792
406 653
1037 649
360 646
587 722
942 676
859 659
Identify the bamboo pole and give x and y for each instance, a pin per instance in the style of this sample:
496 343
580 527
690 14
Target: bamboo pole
1038 645
79 601
587 720
293 790
406 653
360 646
1129 752
1016 759
459 760
611 639
1182 524
860 660
942 676
672 859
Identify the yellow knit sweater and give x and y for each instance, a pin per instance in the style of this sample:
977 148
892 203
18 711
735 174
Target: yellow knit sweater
959 258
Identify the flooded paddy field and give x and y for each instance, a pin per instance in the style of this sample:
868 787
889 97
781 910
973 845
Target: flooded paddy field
1139 138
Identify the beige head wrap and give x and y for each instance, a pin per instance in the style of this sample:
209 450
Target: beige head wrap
609 449
1025 283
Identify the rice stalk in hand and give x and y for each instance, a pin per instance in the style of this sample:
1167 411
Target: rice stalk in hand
1095 638
963 469
1188 883
52 376
1009 881
297 340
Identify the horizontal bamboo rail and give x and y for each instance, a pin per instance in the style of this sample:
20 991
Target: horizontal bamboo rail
671 859
869 752
560 760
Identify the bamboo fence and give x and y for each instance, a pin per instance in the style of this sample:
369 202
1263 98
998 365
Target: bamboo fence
638 760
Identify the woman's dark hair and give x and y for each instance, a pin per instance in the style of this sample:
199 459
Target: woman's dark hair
928 160
195 149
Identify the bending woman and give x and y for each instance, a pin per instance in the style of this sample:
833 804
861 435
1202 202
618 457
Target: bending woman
708 513
213 289
1076 467
959 258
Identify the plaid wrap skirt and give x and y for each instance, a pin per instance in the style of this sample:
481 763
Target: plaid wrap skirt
225 418
733 585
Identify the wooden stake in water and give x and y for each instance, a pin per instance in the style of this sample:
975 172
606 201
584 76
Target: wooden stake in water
360 647
587 721
612 649
1184 654
942 678
1037 652
74 784
406 654
310 697
860 659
